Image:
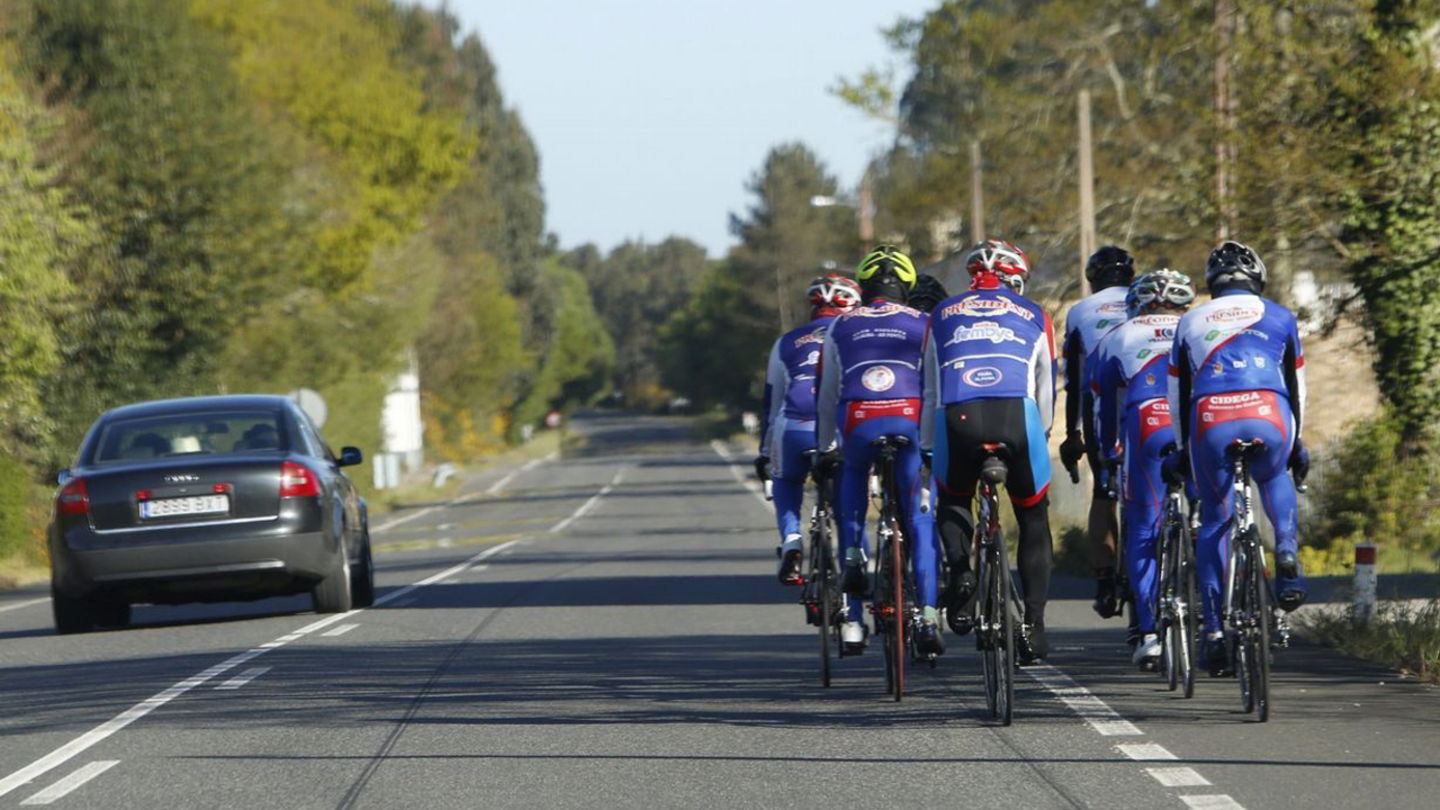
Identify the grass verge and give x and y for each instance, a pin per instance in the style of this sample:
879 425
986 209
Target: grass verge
1402 635
422 490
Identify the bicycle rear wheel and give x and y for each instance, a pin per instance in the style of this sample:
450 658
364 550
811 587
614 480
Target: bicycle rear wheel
1243 631
1009 626
1260 661
1188 614
896 584
1166 607
825 593
985 603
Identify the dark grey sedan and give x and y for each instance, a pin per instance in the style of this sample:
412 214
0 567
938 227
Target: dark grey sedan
206 499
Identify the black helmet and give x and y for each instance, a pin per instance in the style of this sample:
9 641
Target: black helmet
1110 266
886 273
1234 264
928 292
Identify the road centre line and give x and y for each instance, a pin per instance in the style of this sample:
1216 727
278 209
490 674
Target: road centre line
1178 777
1218 801
244 677
69 783
340 631
25 604
590 504
1090 708
530 465
1145 752
100 733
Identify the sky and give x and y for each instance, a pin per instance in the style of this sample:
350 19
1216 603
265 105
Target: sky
651 115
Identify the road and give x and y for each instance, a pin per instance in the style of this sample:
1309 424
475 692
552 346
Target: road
604 630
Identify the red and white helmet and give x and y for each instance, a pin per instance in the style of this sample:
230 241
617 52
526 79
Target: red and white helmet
833 294
998 260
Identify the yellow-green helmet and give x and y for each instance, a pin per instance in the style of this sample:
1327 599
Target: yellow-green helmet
886 260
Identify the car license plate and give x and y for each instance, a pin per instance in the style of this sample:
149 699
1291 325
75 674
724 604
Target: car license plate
193 505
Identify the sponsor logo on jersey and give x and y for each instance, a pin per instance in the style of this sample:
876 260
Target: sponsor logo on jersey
1104 322
986 308
1149 379
1112 306
1232 315
1235 399
877 379
880 311
816 336
1144 353
811 359
1165 333
985 330
1212 334
982 377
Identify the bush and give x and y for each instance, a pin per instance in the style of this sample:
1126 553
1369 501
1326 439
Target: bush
1399 635
1370 491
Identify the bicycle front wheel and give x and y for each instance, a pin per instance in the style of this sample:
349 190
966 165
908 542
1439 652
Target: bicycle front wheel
896 586
824 579
1187 614
1009 626
1260 659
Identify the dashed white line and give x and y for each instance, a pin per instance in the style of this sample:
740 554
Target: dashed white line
340 631
1090 708
1178 777
1145 752
1218 801
25 604
752 487
590 504
75 779
480 568
243 678
504 482
100 733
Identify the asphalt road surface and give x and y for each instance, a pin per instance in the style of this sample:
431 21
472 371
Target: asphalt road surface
604 630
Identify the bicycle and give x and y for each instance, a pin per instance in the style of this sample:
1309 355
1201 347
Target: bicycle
1249 606
1124 597
824 606
997 603
1177 603
894 605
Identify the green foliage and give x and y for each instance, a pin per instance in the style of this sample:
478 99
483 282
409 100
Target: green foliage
40 235
1388 133
1400 636
713 350
1370 492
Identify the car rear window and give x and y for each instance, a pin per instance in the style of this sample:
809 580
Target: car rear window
210 432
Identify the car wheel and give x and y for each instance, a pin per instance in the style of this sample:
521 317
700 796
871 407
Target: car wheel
332 594
362 577
72 614
112 613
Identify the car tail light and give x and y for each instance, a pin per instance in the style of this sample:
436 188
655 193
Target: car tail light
74 498
297 481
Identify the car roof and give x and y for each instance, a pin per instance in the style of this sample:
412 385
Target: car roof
223 402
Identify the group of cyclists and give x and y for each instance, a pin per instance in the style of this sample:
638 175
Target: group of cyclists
949 379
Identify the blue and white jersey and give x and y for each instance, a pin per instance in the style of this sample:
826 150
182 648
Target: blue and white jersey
790 380
1236 342
1131 376
989 344
1085 324
872 354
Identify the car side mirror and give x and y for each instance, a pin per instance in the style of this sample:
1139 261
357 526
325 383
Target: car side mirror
63 477
349 457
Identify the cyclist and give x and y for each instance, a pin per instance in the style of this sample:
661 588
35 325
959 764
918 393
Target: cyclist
1109 271
1237 370
990 377
788 433
870 387
1130 386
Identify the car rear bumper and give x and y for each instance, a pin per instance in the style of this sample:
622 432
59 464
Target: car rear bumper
218 563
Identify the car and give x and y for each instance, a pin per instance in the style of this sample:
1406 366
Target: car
206 499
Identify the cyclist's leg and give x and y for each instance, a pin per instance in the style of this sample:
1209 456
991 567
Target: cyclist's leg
1272 478
1028 486
788 472
850 508
921 523
1102 527
957 470
1147 432
1213 481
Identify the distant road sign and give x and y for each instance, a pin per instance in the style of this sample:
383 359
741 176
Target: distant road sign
312 404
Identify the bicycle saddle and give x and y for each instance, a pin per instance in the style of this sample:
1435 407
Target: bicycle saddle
891 441
993 469
1247 449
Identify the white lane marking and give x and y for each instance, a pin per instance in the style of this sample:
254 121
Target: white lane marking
100 733
25 604
406 602
1177 777
340 631
244 677
590 504
1145 752
1090 708
68 784
753 487
530 465
1209 801
504 482
480 568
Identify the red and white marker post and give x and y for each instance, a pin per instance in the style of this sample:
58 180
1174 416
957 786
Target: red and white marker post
1364 581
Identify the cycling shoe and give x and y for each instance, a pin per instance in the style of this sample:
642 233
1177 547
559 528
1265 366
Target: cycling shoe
1289 583
853 637
1107 602
1031 645
1147 653
792 552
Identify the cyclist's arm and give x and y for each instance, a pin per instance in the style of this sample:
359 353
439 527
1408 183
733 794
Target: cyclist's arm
1105 385
1046 371
1178 390
777 384
1074 384
827 395
1294 366
931 403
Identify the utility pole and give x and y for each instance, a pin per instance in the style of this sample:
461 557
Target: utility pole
1087 191
1225 150
977 200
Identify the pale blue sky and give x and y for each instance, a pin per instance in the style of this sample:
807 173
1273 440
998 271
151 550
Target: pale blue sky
650 115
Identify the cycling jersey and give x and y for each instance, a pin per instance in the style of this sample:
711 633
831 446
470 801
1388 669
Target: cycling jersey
787 436
870 386
1129 386
1085 324
1237 373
